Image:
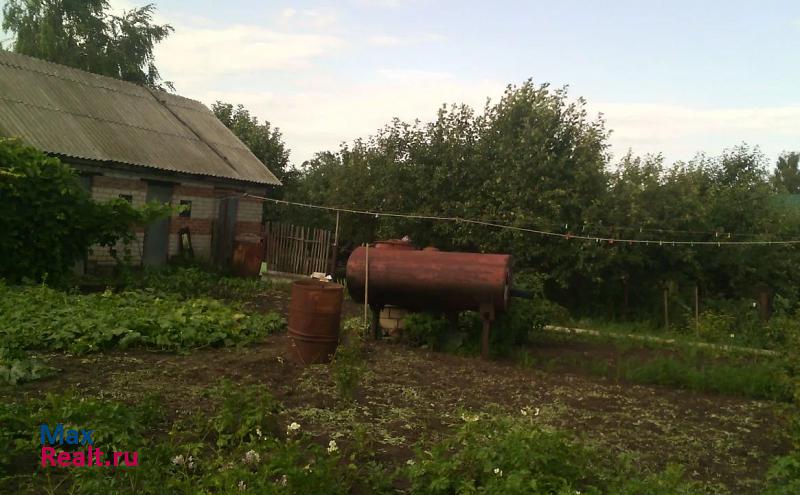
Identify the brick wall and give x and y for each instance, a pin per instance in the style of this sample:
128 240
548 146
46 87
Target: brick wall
104 188
201 220
204 210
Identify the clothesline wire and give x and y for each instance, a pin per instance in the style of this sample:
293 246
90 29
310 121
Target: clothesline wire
545 233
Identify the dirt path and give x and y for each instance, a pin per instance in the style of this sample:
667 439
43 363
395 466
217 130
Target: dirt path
409 394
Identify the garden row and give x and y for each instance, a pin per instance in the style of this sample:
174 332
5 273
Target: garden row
245 442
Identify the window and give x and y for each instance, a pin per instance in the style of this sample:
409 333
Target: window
186 208
126 197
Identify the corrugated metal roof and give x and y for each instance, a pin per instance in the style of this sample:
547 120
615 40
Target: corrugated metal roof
74 113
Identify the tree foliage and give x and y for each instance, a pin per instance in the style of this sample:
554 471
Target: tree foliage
85 35
49 221
535 159
265 141
787 172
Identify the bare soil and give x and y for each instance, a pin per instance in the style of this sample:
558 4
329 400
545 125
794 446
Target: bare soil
407 395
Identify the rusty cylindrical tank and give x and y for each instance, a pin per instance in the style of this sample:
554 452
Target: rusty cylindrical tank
314 315
428 279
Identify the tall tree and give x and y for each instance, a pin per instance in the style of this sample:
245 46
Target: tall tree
265 141
84 34
787 172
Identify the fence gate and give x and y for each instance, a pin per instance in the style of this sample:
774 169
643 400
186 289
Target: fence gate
294 249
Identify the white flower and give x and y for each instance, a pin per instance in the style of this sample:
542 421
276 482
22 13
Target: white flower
190 463
410 462
251 457
524 412
470 418
280 360
178 460
332 447
242 486
292 428
536 411
258 432
283 480
732 335
498 471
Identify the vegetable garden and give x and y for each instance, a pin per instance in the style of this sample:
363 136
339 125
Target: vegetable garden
187 369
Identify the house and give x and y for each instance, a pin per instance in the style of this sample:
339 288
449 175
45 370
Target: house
139 144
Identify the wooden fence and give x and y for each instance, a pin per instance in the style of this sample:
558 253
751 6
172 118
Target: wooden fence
295 249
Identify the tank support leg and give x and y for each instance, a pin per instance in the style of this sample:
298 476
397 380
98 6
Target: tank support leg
487 314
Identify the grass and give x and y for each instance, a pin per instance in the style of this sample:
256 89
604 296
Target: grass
676 365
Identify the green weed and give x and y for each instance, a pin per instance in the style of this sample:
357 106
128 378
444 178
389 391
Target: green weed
508 455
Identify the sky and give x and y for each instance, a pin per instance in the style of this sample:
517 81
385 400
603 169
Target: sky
674 77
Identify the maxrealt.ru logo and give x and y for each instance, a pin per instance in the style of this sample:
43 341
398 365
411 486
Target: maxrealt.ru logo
91 456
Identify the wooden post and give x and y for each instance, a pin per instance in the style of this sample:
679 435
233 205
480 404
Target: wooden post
334 248
696 309
666 308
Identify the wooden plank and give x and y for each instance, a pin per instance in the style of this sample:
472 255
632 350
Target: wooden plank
323 252
317 244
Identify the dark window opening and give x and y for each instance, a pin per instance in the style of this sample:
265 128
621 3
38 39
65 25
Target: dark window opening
127 197
186 208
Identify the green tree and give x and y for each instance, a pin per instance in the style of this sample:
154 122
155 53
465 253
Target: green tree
265 141
535 159
85 35
787 172
49 221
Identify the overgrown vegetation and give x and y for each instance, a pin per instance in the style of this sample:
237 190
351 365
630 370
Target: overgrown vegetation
41 318
245 442
514 455
190 282
524 318
677 365
240 444
49 221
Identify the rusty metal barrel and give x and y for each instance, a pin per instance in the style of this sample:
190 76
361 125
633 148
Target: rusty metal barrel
429 279
314 316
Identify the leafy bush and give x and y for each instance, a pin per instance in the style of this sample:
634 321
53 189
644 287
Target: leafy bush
16 367
524 317
506 455
194 281
425 329
43 318
48 220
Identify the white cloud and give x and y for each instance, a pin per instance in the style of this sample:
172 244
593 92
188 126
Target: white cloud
682 131
203 52
308 18
380 3
389 41
318 118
